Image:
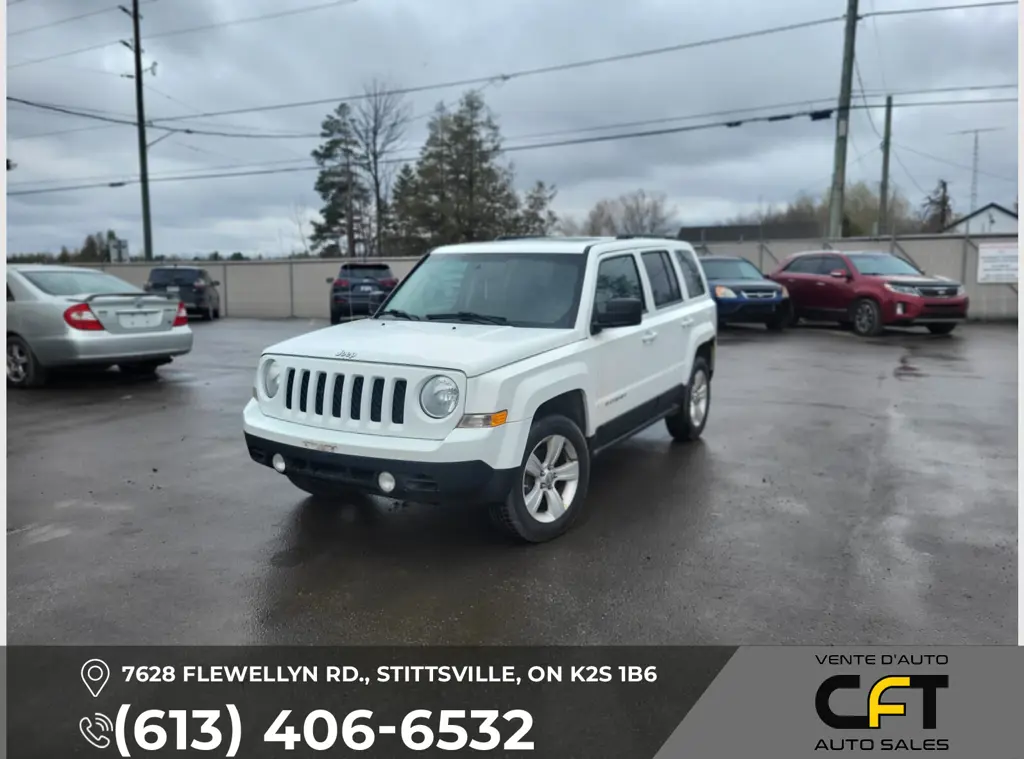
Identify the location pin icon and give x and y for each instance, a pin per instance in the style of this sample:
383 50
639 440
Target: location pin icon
95 674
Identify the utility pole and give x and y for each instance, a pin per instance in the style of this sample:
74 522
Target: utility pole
883 201
835 210
140 109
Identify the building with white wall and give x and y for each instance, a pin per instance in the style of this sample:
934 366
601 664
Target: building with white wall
992 219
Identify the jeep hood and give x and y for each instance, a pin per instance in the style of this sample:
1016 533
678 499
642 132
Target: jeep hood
469 348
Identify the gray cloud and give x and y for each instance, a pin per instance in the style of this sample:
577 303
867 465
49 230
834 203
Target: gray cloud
330 53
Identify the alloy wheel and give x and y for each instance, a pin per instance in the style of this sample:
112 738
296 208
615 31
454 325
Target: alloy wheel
17 363
698 398
551 478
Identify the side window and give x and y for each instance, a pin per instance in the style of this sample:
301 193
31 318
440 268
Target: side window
691 273
804 265
829 264
664 285
617 277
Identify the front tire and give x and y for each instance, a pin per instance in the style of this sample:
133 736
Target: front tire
941 329
688 422
867 318
550 488
23 368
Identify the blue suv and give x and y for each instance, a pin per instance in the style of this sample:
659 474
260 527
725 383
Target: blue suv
744 294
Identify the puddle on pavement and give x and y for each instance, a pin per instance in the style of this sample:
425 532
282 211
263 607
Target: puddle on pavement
907 370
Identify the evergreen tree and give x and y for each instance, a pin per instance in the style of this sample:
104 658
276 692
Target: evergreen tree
338 184
459 190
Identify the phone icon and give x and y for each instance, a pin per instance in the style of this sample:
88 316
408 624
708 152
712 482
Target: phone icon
93 729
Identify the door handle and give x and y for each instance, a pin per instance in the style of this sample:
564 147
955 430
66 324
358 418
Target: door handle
649 337
820 284
687 322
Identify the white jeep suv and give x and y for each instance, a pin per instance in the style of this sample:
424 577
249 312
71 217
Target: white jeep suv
494 373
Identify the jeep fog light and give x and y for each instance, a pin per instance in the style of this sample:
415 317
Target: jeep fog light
278 462
386 481
271 378
483 421
439 397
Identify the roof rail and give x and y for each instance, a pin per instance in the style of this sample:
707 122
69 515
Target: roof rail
519 237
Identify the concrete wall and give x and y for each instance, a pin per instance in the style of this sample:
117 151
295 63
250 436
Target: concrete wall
277 289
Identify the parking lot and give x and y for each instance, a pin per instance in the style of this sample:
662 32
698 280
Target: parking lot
845 491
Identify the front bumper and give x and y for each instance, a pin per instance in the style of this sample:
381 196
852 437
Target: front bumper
908 310
467 465
424 481
750 309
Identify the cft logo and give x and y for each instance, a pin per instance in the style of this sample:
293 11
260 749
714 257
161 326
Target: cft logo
928 685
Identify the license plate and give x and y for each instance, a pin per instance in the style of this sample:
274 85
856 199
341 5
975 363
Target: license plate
140 321
173 289
366 288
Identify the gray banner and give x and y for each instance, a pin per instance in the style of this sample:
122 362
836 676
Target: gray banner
808 702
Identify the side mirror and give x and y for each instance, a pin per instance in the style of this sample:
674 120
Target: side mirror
839 274
216 283
330 280
618 312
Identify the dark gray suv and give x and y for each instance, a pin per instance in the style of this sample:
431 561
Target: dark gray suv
191 285
359 288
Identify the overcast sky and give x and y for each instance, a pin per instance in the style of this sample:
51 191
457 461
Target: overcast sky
331 52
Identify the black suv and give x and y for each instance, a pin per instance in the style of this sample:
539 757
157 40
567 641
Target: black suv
359 288
191 285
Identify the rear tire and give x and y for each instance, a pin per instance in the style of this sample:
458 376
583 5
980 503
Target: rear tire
216 313
23 368
867 318
941 329
688 422
550 488
335 319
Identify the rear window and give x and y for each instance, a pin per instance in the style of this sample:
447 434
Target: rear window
173 276
78 282
367 270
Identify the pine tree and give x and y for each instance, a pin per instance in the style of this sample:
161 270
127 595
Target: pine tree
338 184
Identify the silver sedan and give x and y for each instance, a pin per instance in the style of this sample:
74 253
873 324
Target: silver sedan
65 316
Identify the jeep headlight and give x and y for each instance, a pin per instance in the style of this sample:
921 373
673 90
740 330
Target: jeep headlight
439 397
271 378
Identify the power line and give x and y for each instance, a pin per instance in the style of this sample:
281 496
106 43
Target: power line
957 165
177 130
812 114
966 6
529 72
906 171
70 19
189 30
864 97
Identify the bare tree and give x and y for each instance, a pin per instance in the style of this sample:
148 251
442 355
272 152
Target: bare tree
379 124
299 217
644 214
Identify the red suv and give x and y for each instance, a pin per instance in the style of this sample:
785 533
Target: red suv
870 290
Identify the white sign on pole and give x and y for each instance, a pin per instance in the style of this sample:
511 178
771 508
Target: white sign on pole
998 263
119 249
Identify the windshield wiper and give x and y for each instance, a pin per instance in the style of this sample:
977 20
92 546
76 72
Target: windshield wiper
470 316
399 314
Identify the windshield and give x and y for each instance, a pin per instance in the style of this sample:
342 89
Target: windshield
523 290
883 264
78 283
737 268
173 276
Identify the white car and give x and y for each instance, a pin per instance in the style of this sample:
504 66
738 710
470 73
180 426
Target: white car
494 373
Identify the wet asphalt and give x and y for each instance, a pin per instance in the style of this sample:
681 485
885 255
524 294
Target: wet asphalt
846 491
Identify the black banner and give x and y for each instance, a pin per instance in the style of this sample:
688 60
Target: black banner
373 702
